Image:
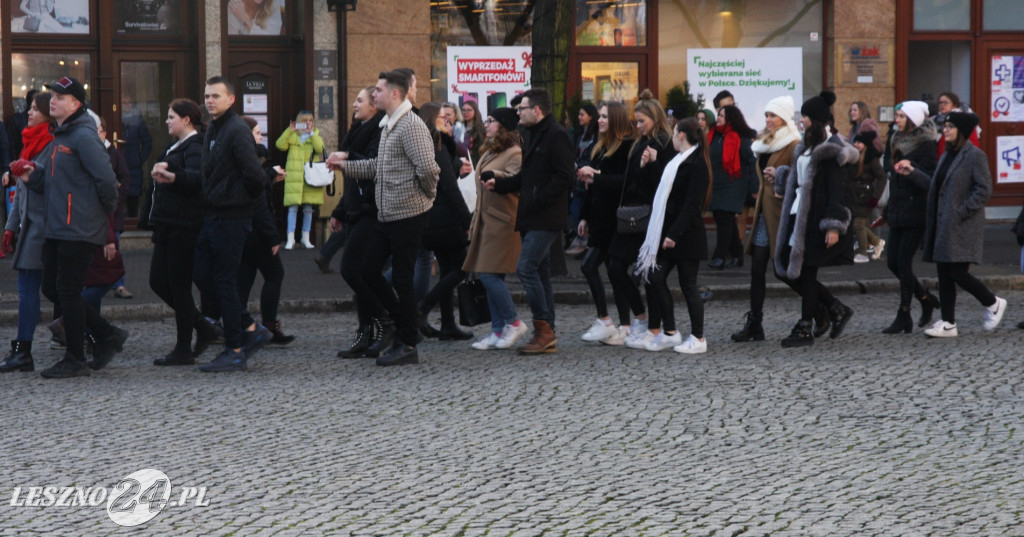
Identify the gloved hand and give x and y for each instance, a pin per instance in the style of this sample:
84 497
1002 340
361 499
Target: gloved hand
8 243
18 166
487 175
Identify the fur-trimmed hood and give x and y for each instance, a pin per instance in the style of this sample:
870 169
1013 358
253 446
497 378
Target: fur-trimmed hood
904 143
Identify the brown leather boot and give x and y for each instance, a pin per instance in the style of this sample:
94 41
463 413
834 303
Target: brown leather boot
543 340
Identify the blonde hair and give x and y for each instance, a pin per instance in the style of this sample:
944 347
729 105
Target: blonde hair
650 107
303 115
263 13
619 128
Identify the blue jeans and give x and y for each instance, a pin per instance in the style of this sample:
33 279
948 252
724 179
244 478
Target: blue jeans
534 271
217 263
29 283
499 301
93 295
307 217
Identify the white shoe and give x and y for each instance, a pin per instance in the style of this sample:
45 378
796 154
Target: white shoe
692 345
305 240
941 329
619 338
290 243
663 341
636 330
861 258
487 343
600 330
639 342
510 335
878 249
994 314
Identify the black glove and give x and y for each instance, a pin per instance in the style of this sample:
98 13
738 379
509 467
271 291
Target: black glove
487 175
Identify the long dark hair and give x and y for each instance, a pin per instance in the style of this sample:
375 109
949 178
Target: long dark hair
690 127
42 100
188 108
815 135
429 113
734 118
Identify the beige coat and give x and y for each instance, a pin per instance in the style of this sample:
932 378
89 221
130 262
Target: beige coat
767 201
494 244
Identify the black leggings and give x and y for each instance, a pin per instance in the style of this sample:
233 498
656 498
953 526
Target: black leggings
659 292
351 265
952 275
170 277
760 257
625 289
903 244
811 291
727 242
592 261
449 264
257 255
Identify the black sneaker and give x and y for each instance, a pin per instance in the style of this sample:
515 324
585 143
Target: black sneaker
253 341
105 349
207 333
66 368
399 354
279 337
323 264
227 360
176 358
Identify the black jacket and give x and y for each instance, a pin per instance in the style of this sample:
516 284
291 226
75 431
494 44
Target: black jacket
232 176
602 197
908 194
361 141
684 221
449 217
264 225
545 179
641 185
177 203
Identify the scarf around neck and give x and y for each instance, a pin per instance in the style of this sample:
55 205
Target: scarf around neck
647 260
34 140
730 149
777 140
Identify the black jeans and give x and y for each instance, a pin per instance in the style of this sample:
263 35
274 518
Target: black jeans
811 291
258 255
903 244
170 276
399 240
659 291
952 275
760 257
217 259
334 243
449 264
64 266
727 241
356 244
625 289
592 261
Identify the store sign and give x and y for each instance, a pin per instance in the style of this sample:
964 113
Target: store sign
491 76
864 63
753 75
1007 88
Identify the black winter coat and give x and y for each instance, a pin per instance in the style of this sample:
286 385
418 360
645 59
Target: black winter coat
908 194
641 185
361 141
684 220
602 197
449 217
232 176
177 203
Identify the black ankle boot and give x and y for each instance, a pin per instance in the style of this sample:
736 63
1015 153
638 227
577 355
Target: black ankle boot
361 343
383 337
929 303
451 332
801 335
752 329
903 323
822 322
839 314
424 325
279 337
19 359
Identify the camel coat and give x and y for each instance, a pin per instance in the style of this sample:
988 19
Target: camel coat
767 201
494 243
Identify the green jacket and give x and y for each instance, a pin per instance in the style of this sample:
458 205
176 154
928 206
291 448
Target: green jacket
296 191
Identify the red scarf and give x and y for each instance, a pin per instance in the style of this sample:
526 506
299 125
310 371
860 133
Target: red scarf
730 150
34 140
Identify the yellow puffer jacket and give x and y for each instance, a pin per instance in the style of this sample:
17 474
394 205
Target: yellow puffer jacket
296 191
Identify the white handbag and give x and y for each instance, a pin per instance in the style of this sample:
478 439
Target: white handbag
316 174
467 186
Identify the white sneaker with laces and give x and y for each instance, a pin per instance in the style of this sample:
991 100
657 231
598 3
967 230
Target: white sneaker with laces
600 330
639 342
663 341
941 329
619 338
510 335
636 329
489 341
994 314
878 249
861 258
692 345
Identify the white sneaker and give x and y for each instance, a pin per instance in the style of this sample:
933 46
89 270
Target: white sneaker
510 335
878 249
861 258
663 341
636 329
600 330
994 314
692 345
941 329
619 338
490 341
639 342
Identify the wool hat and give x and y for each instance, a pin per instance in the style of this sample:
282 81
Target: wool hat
965 122
782 107
710 114
68 86
678 111
866 137
916 111
506 116
819 107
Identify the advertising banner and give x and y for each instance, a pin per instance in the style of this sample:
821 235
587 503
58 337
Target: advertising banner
490 76
1007 88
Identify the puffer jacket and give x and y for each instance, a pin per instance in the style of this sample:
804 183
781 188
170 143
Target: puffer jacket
296 191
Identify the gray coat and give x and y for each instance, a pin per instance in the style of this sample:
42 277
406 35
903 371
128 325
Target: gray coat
27 219
955 223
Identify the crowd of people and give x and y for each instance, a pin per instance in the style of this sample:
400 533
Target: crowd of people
630 192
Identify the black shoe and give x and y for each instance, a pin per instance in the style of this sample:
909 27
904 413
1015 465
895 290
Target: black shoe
19 359
752 329
107 347
359 346
425 328
800 336
279 337
207 333
839 314
253 341
227 360
323 264
929 304
399 354
384 336
717 263
822 322
453 333
66 368
736 262
903 323
176 358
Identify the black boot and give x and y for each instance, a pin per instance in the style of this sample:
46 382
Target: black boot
822 322
752 329
19 359
279 337
903 323
929 303
206 334
800 336
450 331
839 314
383 337
424 325
361 343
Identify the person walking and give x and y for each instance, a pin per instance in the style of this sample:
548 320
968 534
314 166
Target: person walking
585 139
302 141
868 185
732 165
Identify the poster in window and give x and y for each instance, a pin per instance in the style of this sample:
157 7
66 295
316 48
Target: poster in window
49 16
1007 88
255 17
153 17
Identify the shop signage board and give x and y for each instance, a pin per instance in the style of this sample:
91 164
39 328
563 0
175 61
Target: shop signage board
1007 88
491 76
864 63
753 75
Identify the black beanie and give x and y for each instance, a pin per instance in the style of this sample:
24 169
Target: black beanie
506 116
965 122
866 137
819 107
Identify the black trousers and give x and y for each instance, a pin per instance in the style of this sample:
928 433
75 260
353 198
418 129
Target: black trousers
592 261
399 240
658 291
727 241
170 276
625 289
356 244
64 266
217 259
903 244
811 291
259 256
449 263
952 275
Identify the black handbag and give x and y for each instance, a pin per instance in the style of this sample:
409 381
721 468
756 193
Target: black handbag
473 308
632 219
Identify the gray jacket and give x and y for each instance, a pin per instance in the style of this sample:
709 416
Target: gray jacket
78 182
27 219
955 224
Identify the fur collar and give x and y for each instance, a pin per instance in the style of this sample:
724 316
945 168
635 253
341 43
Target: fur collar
904 143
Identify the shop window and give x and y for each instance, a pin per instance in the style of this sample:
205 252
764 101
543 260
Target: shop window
942 15
1003 15
610 81
620 23
49 16
147 17
31 71
939 66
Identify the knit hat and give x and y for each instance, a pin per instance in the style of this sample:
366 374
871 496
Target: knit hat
819 107
506 116
965 122
782 107
916 111
591 110
866 137
710 114
678 111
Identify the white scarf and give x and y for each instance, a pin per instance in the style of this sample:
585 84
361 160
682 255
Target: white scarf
647 261
777 140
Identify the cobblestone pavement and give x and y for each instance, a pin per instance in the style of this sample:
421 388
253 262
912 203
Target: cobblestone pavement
864 435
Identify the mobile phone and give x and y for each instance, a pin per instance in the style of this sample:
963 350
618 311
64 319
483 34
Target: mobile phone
301 126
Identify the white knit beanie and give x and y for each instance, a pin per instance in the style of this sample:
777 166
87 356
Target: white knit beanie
917 111
782 107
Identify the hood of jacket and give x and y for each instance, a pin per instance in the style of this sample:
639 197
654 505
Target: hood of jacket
905 143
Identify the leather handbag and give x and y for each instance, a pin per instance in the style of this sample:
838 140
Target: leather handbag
316 174
473 308
632 219
31 24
